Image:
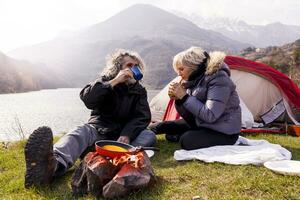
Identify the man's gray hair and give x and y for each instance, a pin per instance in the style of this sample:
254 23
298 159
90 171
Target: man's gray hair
114 63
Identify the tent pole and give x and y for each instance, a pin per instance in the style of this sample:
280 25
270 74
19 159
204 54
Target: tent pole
286 124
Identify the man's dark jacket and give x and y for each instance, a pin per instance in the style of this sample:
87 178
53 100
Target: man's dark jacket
119 111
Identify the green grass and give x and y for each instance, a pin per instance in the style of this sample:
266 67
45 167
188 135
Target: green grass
176 180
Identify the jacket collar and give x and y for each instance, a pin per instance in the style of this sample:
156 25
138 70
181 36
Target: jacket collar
135 88
194 77
215 63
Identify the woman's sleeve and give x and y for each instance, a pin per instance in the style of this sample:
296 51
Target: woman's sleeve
218 94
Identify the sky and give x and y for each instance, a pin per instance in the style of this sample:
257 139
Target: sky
27 22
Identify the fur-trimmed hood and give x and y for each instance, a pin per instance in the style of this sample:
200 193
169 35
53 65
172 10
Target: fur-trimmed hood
216 62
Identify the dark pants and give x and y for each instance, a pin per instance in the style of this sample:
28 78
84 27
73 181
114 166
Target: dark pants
192 138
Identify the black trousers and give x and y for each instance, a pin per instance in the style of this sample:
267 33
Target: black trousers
192 137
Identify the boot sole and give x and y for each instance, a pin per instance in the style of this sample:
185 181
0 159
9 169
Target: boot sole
37 150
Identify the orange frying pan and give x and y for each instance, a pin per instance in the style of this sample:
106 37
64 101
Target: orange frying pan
113 149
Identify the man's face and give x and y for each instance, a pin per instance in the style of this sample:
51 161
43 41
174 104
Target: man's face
128 62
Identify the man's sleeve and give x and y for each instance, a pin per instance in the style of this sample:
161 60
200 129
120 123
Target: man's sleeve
94 93
141 119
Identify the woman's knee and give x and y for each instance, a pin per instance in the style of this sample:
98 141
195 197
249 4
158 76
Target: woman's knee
184 141
190 140
154 127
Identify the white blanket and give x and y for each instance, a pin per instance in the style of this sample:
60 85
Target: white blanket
244 152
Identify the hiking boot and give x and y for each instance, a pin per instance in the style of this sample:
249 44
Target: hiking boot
172 138
40 161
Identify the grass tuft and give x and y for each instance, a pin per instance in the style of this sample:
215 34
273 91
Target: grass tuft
176 180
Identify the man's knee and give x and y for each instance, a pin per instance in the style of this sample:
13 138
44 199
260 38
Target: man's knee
145 138
81 129
83 132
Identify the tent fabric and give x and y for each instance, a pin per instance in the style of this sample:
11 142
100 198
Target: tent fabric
264 93
271 87
171 112
284 83
272 114
257 100
244 152
247 117
263 130
160 102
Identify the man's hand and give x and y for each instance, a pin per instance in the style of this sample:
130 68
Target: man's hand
123 76
123 139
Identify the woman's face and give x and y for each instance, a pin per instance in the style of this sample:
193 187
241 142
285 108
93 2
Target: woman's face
184 72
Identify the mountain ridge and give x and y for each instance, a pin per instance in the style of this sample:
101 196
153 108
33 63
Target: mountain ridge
273 34
156 34
23 76
285 58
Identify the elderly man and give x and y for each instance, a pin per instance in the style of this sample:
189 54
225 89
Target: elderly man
120 111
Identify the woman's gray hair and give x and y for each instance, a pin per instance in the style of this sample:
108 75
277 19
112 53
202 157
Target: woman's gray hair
114 63
191 57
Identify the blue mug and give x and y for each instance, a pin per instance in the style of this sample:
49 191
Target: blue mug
137 74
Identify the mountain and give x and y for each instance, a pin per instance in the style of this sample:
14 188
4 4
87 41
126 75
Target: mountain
284 58
22 76
274 34
156 34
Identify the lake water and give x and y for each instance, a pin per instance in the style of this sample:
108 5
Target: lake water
60 109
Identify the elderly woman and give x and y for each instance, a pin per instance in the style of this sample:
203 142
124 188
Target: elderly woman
206 99
119 111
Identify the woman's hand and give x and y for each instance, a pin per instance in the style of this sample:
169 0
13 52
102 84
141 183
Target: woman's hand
123 139
170 92
123 76
176 91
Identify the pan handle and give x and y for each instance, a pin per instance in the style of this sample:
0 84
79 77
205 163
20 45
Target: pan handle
150 148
